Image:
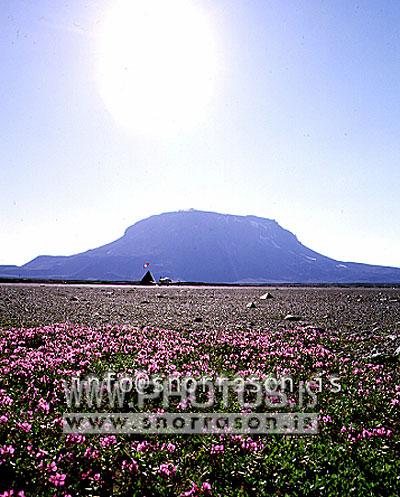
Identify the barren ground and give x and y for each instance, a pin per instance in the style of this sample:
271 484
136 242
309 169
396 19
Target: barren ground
372 312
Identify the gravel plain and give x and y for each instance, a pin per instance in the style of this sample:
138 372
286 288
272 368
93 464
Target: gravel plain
372 312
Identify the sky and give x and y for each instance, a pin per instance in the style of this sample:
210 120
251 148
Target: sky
288 110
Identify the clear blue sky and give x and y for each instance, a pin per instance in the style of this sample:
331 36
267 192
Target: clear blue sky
303 126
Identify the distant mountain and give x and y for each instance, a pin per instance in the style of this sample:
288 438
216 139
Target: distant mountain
205 247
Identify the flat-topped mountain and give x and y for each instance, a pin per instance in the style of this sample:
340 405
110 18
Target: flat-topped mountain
204 247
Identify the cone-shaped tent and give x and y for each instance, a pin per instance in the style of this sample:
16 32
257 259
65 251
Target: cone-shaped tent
147 279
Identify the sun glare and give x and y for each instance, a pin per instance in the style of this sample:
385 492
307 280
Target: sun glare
157 65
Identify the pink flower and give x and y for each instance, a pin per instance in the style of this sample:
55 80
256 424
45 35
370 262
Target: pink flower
44 406
86 474
191 492
7 449
167 470
143 446
52 467
58 480
75 438
217 449
366 434
108 441
26 427
206 487
10 493
131 466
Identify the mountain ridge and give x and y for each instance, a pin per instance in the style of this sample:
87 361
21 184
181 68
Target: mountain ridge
206 247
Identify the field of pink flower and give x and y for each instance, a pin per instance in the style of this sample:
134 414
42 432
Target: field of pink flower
356 451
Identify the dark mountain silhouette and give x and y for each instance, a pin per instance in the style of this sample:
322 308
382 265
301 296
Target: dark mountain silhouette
205 247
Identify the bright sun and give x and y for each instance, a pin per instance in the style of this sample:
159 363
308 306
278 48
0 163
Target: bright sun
157 65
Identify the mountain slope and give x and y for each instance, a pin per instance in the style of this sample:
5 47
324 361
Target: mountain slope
205 246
